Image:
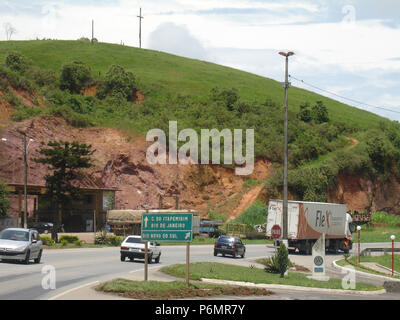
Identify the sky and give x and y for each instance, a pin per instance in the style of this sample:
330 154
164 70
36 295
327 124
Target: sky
350 48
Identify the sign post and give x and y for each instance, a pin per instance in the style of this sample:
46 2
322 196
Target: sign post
393 237
318 256
168 227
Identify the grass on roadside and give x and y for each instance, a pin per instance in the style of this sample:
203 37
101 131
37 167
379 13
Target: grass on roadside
384 260
254 275
158 290
370 234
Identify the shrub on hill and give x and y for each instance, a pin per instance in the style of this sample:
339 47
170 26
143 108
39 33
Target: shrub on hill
17 62
74 76
118 83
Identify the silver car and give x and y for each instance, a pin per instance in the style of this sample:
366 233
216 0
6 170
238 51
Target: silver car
20 244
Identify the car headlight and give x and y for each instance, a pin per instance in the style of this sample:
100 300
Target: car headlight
21 249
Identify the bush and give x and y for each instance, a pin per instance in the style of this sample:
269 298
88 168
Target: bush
390 220
271 264
4 202
17 62
320 113
282 258
44 77
73 118
78 243
103 238
47 241
256 214
114 241
69 239
119 83
74 76
22 112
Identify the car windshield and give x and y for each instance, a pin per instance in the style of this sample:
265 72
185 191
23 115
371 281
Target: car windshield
134 240
15 235
226 240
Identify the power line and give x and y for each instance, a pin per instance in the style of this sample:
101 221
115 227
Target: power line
342 97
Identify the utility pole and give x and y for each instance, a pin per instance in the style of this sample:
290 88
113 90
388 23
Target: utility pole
140 27
286 85
25 184
25 152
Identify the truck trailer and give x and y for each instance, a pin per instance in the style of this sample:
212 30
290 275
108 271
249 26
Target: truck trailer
307 221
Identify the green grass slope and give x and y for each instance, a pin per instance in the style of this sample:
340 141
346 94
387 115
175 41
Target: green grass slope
165 74
326 139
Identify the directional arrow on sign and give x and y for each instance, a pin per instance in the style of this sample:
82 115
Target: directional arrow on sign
145 222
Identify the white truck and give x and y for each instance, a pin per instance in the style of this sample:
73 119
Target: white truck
308 220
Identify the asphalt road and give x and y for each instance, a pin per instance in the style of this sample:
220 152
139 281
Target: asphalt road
76 267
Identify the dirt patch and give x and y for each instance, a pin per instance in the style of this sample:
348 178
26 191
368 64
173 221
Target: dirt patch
91 90
354 142
245 201
139 97
189 292
23 95
6 110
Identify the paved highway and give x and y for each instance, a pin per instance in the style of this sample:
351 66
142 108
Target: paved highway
76 267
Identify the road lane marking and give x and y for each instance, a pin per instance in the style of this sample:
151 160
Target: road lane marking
73 289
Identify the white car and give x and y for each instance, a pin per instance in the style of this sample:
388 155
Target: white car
133 247
20 244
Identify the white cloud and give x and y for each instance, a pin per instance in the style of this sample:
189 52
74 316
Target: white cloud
169 37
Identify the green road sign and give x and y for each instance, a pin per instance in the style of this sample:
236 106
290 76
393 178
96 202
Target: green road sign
158 226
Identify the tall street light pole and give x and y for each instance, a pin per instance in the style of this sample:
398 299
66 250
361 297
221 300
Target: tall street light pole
25 151
286 85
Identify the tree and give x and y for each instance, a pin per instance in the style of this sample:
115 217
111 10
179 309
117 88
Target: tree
64 159
283 259
320 113
118 82
17 62
4 203
9 30
305 112
74 76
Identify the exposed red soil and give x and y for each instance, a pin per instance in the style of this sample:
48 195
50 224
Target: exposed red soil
364 195
354 142
121 162
6 110
90 91
139 97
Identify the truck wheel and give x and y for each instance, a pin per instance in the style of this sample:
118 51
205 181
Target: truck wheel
150 259
157 260
122 258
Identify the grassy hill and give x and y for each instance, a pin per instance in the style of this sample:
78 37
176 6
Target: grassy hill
200 94
165 74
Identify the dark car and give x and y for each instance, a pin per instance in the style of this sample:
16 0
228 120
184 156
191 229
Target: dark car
229 245
42 227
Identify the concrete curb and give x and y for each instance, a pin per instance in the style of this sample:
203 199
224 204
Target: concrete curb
336 266
294 288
